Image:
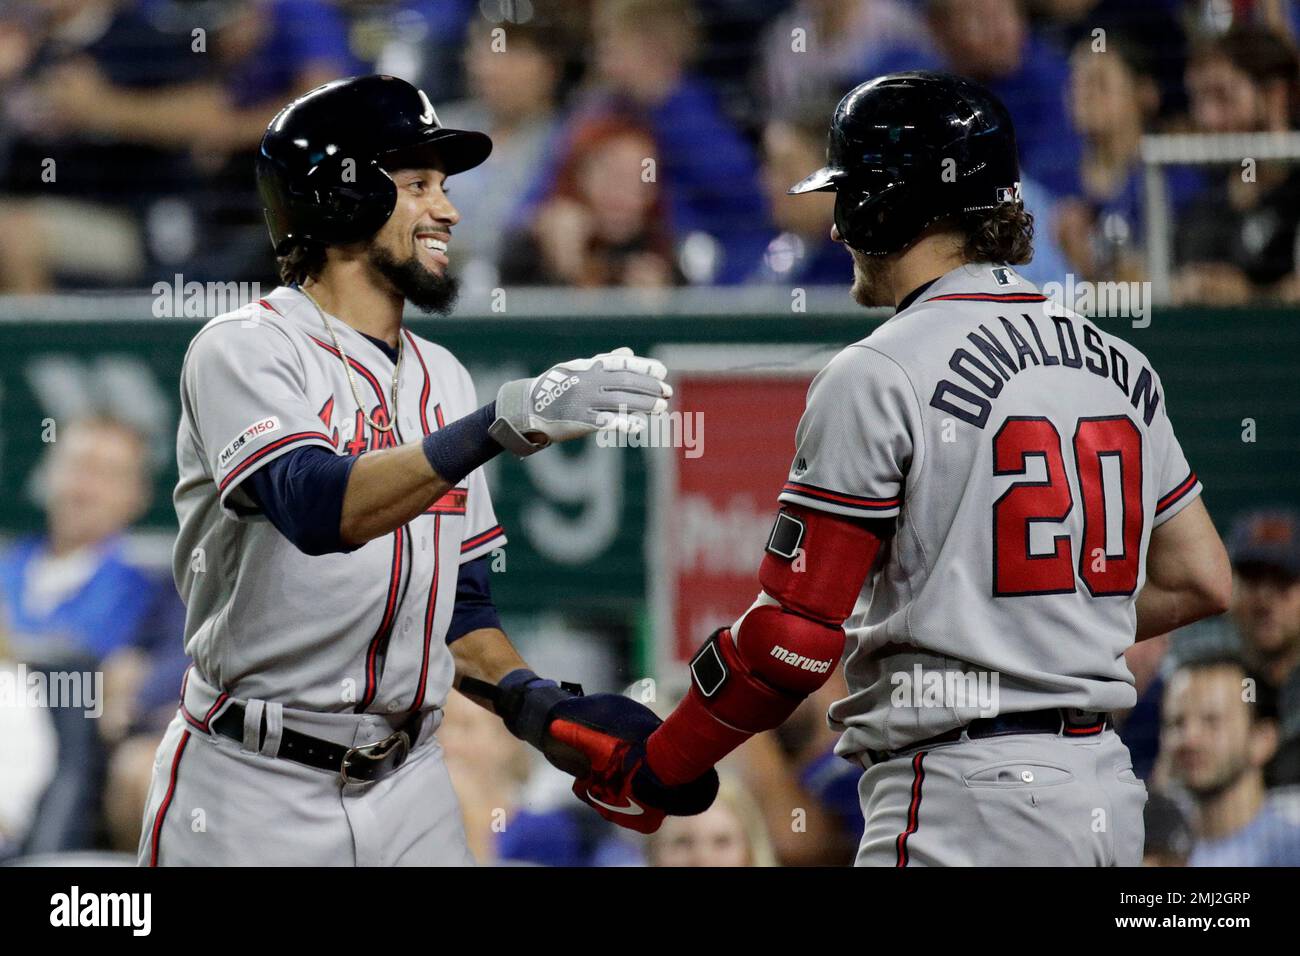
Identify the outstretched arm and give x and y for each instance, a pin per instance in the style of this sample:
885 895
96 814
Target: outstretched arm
325 502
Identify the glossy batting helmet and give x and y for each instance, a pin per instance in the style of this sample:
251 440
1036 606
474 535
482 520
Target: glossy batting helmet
909 149
321 167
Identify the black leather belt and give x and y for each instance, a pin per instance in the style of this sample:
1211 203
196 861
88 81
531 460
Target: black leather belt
1063 721
367 764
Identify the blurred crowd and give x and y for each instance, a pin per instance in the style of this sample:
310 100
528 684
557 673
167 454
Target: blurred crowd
638 142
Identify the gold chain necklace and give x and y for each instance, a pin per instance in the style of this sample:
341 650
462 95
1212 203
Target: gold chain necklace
347 367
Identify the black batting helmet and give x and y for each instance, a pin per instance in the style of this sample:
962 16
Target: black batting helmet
321 166
909 149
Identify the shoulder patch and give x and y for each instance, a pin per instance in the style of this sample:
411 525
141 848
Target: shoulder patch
259 427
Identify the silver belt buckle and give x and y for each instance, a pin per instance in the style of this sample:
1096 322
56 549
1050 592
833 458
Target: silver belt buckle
392 752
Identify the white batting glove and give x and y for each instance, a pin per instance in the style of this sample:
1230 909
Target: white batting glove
610 391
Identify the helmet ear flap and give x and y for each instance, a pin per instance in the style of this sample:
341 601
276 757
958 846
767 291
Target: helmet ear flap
349 204
871 222
850 219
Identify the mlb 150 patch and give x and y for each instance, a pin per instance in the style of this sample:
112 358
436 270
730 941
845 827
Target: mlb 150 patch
260 427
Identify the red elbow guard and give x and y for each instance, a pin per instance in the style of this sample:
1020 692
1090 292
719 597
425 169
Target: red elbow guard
751 681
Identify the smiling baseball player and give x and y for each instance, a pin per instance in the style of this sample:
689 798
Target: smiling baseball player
989 492
335 523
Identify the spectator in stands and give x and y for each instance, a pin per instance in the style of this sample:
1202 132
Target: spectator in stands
606 220
706 169
803 252
1113 99
1265 550
990 41
1263 626
72 602
1237 240
1154 26
1219 735
75 197
822 48
71 591
513 79
729 833
263 52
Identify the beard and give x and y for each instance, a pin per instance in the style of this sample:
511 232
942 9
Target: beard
869 286
425 290
1223 779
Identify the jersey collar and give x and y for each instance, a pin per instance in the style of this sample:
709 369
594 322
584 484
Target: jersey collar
914 295
981 282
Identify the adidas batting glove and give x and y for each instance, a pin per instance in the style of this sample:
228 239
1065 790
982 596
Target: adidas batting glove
613 390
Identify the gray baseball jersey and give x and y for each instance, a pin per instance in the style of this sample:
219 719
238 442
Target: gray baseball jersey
1026 456
361 631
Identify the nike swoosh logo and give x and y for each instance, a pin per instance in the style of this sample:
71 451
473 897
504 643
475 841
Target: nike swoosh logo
631 810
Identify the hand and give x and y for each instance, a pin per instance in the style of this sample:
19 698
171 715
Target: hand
601 741
612 390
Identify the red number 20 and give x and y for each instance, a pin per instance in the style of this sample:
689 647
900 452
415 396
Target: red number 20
1016 571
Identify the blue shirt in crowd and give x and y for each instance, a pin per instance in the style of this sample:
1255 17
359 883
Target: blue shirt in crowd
1271 839
100 617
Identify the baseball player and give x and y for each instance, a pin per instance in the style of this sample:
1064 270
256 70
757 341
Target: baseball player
335 525
987 497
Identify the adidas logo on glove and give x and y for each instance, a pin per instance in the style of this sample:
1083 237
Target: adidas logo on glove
552 388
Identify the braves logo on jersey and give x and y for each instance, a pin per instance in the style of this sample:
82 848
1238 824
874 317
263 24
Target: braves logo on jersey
363 436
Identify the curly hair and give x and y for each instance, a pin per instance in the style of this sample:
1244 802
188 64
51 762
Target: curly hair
1004 234
303 261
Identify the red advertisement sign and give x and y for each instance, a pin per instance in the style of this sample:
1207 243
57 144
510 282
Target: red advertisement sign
714 503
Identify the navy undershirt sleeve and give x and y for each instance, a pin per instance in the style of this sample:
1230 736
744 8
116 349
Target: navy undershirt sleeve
301 493
474 608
